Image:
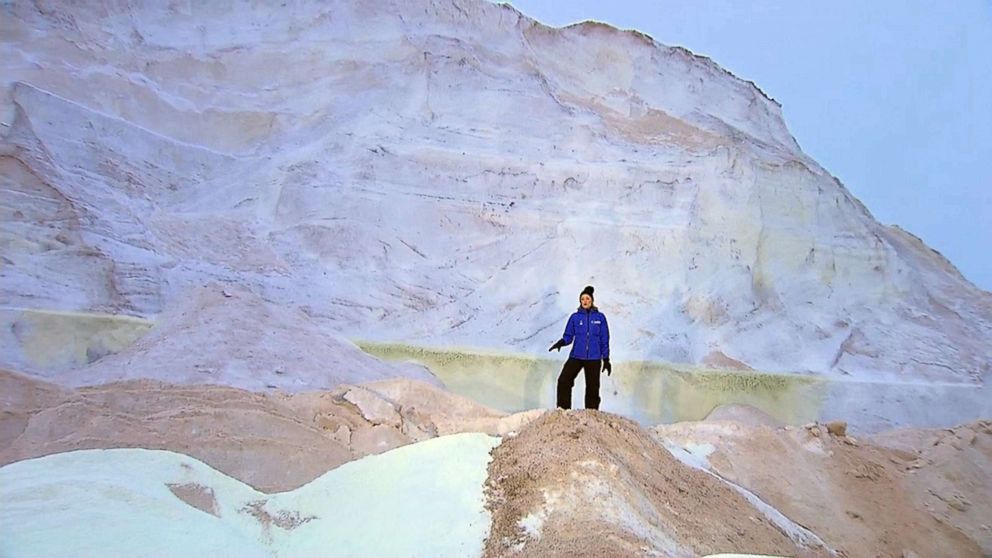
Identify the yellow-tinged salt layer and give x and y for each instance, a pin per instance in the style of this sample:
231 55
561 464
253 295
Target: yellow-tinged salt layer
650 392
56 340
49 342
135 502
654 393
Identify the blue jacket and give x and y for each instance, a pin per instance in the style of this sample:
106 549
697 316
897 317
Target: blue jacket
589 330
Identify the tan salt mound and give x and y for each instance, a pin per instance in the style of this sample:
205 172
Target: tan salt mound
745 414
271 441
20 398
949 472
717 359
588 483
227 335
862 498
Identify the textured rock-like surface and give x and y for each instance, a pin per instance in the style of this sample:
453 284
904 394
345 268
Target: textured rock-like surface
21 397
449 173
372 406
949 471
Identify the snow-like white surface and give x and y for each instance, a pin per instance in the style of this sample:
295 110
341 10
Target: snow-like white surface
693 455
419 500
450 173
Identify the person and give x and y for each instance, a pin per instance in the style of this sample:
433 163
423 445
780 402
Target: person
589 335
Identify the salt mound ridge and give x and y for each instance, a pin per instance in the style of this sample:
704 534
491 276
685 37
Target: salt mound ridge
581 482
271 441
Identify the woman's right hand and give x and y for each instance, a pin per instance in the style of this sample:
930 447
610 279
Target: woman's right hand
558 345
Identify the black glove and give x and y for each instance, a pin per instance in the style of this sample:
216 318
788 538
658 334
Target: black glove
558 345
607 366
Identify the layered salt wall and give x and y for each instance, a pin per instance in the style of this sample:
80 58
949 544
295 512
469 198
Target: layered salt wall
451 174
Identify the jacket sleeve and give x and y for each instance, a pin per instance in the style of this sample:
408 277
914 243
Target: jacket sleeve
604 339
569 330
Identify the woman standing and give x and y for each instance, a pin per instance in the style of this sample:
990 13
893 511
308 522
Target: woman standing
588 330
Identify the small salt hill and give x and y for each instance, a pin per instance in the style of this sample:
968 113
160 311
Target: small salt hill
910 492
588 483
271 441
227 335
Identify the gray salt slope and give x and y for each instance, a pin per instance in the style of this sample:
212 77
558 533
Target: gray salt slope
451 174
227 335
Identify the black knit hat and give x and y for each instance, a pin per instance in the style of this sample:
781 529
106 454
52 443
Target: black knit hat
588 290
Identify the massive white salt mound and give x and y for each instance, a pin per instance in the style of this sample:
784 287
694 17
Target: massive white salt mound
450 173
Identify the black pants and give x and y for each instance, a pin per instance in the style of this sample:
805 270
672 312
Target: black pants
566 380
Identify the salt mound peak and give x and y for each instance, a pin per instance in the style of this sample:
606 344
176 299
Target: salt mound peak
594 484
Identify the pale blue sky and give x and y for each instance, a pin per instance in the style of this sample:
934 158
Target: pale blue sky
892 97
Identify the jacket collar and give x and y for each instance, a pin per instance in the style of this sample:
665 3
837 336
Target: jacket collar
591 309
